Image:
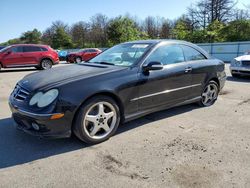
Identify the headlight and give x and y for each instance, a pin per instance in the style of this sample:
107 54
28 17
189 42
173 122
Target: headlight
235 63
44 99
35 98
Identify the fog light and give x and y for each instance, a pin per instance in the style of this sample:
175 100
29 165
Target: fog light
35 126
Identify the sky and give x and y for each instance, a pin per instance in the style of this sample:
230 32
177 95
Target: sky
18 16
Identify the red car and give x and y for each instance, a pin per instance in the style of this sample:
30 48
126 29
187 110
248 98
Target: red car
28 55
83 55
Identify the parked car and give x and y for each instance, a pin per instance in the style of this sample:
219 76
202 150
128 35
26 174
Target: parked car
63 53
82 55
240 65
91 99
1 47
28 55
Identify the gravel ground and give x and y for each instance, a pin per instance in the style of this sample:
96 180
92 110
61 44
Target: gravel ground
182 147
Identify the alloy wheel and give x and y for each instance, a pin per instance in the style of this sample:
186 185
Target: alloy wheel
46 64
78 60
100 120
209 94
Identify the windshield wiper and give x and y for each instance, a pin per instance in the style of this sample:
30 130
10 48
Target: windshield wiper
105 63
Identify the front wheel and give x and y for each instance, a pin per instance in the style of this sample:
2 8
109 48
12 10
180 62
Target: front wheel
209 94
97 120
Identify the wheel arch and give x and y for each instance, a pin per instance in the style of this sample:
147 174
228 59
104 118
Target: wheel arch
43 58
103 93
216 80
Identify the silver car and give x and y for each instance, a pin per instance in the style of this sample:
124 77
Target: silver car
240 65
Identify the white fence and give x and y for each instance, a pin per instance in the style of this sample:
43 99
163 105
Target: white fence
226 51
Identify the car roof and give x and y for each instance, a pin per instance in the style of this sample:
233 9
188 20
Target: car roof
156 41
39 45
170 41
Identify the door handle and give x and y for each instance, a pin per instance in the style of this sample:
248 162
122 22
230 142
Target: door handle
188 69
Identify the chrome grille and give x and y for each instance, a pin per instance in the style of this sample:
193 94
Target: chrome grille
20 93
245 63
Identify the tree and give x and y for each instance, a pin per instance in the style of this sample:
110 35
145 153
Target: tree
205 12
11 41
214 31
48 34
150 27
165 30
79 33
98 32
33 37
61 39
183 29
122 29
238 30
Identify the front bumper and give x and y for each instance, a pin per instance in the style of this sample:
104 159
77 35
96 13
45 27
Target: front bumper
58 128
240 70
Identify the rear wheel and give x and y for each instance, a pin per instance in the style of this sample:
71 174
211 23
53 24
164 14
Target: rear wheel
97 120
78 60
209 94
46 64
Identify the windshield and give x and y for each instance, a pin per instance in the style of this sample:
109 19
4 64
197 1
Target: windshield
4 49
247 53
122 55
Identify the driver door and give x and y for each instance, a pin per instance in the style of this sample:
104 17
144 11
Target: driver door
168 86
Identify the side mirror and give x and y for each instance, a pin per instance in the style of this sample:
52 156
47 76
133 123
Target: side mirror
8 52
151 66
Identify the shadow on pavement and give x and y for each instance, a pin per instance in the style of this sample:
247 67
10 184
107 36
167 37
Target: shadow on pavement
17 70
18 148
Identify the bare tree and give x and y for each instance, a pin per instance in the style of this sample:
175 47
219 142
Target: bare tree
150 27
205 12
79 32
166 28
98 32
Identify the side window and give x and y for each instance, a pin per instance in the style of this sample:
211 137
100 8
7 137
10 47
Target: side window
31 49
17 49
192 54
92 50
168 54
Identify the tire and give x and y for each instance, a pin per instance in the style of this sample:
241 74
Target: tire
78 59
97 120
209 94
46 64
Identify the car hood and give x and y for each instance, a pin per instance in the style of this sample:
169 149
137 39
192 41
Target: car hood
65 74
243 58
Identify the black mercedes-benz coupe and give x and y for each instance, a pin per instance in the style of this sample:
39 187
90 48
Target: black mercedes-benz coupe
125 82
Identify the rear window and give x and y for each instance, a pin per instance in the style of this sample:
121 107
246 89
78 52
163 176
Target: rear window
92 50
192 54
